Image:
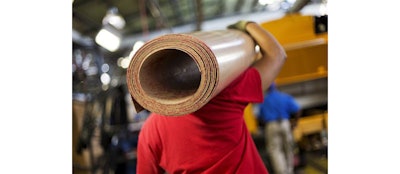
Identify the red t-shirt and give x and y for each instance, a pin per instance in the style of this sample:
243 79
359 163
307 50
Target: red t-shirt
212 140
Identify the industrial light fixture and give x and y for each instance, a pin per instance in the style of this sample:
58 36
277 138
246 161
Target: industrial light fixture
114 18
108 38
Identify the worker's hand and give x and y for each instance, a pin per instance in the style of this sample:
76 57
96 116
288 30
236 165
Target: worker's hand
240 25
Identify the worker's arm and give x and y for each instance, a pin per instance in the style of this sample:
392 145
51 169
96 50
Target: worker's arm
296 116
273 54
294 110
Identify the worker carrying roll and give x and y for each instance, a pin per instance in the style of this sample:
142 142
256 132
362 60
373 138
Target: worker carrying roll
207 79
177 74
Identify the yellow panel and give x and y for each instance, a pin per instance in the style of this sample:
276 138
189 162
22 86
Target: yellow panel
292 28
250 119
307 52
310 124
305 63
325 117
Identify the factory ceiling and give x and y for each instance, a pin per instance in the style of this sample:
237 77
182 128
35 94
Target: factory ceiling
146 16
143 19
143 16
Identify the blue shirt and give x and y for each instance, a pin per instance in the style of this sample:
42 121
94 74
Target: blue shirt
277 105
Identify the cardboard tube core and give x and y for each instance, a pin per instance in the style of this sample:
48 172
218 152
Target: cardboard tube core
169 75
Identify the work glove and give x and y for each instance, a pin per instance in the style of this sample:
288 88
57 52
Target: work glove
240 25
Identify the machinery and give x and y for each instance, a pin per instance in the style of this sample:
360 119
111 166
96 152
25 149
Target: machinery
305 77
305 72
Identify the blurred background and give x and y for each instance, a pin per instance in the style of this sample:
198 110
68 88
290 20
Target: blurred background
107 33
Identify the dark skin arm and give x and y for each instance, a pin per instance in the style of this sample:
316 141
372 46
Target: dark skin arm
273 55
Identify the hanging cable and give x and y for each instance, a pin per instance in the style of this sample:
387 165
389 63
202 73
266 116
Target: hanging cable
158 15
143 18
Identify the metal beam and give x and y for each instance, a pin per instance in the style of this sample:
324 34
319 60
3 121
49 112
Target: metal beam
239 5
297 6
199 14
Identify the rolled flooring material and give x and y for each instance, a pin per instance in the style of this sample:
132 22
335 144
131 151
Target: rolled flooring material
177 74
